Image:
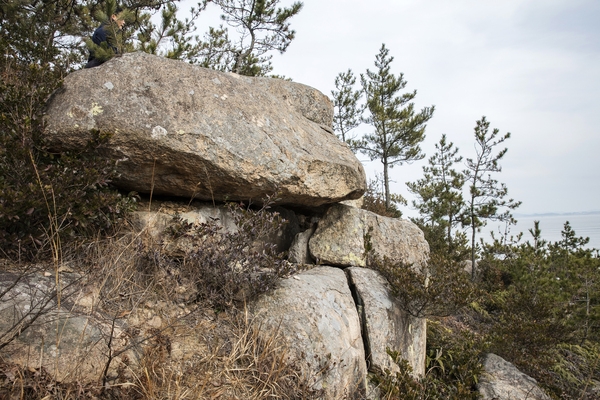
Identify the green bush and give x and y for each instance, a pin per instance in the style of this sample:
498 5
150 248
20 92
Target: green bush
577 371
440 290
46 198
452 371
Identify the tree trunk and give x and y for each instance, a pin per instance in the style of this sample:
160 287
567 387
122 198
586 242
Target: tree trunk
587 312
449 235
473 228
386 182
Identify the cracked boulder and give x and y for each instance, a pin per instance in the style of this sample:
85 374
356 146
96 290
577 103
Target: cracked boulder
345 232
182 130
316 317
386 325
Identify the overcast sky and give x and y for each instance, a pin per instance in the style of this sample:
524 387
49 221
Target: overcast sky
532 67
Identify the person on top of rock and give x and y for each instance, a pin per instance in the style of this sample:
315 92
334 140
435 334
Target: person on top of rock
102 34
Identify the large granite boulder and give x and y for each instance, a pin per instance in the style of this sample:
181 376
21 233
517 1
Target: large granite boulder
344 231
316 315
181 130
503 381
386 325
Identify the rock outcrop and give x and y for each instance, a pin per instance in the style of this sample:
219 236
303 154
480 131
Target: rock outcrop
337 322
182 130
503 381
344 230
185 131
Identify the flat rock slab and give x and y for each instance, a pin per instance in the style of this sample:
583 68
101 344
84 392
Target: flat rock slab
344 231
182 130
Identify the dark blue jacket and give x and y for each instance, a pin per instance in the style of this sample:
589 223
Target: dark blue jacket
100 35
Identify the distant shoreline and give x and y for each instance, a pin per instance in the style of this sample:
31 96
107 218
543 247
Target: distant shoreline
556 214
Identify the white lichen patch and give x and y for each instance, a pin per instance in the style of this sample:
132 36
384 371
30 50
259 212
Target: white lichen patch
216 81
96 109
158 132
109 85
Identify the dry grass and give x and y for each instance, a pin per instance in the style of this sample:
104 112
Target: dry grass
239 362
228 359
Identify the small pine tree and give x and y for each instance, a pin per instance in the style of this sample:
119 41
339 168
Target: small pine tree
576 271
348 113
374 200
440 200
486 194
399 131
174 37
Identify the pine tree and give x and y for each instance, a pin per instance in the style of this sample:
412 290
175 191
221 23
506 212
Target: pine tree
174 37
545 309
262 28
440 200
399 131
486 195
348 112
214 50
374 199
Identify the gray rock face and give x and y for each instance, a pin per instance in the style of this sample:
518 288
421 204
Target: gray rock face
316 315
182 130
343 231
386 325
156 223
66 343
299 253
503 381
